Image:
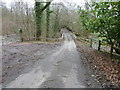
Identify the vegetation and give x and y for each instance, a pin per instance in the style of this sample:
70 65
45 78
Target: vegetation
18 16
103 18
37 23
44 20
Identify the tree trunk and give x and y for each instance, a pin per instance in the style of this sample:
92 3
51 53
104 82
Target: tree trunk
117 50
38 19
56 24
48 20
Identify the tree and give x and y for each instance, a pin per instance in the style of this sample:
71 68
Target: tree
38 19
106 21
48 20
56 24
39 8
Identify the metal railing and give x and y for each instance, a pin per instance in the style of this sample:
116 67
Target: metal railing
7 39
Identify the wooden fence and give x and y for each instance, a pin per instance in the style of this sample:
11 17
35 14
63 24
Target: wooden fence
100 45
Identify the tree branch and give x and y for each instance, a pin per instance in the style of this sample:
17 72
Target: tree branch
48 3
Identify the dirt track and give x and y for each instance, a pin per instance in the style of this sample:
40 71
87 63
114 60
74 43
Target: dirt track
45 66
20 58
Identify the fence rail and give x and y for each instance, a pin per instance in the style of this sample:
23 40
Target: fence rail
100 45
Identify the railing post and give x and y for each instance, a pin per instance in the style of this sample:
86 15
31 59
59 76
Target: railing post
111 51
99 45
91 43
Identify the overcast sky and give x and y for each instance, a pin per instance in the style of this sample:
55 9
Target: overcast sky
31 2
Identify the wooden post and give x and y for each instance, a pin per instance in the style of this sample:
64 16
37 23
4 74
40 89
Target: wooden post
99 45
111 50
91 43
21 36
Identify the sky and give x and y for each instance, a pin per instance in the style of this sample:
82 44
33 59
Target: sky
31 2
78 2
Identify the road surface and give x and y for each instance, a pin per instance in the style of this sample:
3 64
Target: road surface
61 69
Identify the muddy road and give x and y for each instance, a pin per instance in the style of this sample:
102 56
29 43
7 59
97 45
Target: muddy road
61 68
